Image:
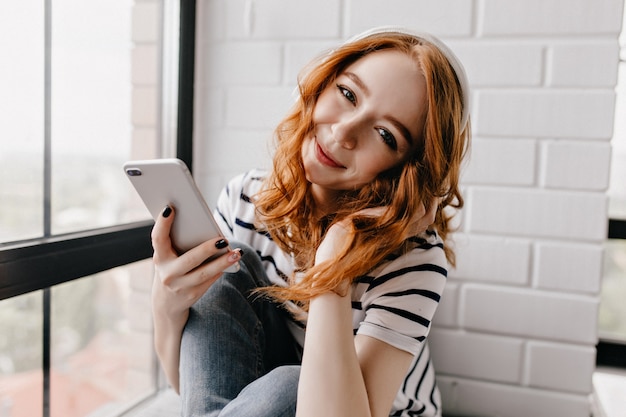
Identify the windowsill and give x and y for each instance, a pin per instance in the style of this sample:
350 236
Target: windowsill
165 404
609 386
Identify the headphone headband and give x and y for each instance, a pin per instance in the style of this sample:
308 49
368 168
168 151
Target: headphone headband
445 50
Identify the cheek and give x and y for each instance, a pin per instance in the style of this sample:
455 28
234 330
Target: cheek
370 168
376 167
305 148
374 162
326 107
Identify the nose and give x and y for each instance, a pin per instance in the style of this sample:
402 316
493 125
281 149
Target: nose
346 131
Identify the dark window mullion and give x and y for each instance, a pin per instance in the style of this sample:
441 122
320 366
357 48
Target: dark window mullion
186 74
43 263
47 205
46 349
617 229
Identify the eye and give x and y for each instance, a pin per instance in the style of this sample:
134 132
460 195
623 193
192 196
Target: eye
387 138
347 93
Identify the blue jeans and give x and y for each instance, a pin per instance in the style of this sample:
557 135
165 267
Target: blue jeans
238 358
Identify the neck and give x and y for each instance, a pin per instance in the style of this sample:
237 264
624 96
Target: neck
326 201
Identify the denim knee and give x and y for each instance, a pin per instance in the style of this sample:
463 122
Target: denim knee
272 395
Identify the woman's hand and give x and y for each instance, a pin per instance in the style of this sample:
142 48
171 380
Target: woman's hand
422 219
337 235
333 242
180 281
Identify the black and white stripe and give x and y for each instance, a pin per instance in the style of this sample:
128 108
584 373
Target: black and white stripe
394 303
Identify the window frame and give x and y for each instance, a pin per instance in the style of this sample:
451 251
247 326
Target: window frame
612 353
25 265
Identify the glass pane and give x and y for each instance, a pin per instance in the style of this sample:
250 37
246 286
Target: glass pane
21 376
617 188
104 108
21 118
101 348
612 317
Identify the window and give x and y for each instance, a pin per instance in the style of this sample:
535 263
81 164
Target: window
612 315
88 86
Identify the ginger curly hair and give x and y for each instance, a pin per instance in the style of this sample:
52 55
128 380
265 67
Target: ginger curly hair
285 207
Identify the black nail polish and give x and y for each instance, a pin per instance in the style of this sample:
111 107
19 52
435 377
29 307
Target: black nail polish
167 211
221 244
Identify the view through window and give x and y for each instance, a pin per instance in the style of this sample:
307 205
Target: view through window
612 317
99 91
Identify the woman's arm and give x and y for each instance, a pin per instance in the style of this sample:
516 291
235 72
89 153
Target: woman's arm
168 330
342 374
179 282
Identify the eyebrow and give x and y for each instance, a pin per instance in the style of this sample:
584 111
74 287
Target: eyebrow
402 128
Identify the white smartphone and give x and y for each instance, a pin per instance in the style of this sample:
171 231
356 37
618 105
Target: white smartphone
163 182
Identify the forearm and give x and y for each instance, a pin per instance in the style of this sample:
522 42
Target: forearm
168 330
331 382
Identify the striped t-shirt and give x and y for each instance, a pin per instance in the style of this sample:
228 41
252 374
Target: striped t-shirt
394 303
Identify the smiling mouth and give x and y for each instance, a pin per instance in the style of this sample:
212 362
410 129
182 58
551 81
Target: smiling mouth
325 159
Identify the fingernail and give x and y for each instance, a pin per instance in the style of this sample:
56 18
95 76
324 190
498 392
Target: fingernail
235 255
221 244
167 211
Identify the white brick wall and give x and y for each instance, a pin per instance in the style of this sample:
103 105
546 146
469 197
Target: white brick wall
516 329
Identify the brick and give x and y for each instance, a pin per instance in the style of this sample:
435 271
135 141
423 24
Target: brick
222 155
145 65
560 367
257 107
146 22
550 17
464 397
299 54
568 266
144 143
144 106
620 105
443 18
583 64
475 260
212 101
276 19
243 63
211 184
576 165
501 64
446 314
471 355
540 213
212 23
546 114
529 313
501 161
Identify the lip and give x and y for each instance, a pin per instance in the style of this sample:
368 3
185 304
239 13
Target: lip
324 158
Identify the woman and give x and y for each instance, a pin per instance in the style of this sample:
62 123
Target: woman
335 240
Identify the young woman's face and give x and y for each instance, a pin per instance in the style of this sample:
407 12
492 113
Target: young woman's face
365 122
